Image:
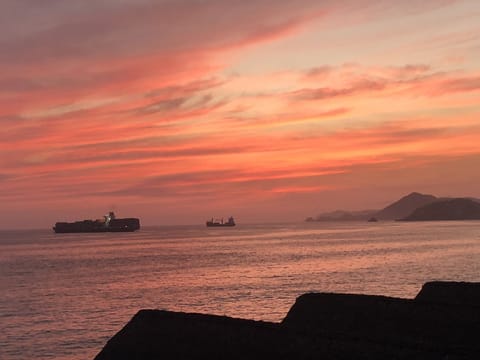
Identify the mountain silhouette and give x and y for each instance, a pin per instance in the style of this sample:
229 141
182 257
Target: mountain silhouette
397 210
449 209
405 206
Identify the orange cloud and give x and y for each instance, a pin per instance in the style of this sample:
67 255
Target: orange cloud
120 104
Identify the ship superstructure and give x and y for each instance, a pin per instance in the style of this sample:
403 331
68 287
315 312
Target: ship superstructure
220 222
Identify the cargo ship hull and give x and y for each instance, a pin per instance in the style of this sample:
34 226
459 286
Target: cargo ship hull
88 226
209 223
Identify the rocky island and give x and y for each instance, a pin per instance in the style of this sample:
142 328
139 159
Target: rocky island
412 207
450 209
441 322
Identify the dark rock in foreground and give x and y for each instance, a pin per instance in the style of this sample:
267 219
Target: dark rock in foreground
156 334
450 292
442 322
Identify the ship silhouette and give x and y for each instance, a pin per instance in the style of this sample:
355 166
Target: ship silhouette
109 223
220 222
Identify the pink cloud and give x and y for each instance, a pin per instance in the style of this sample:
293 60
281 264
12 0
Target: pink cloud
419 79
132 100
452 85
327 93
134 29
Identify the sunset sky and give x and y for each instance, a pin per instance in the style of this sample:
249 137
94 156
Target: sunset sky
176 111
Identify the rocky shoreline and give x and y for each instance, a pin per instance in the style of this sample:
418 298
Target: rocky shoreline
441 322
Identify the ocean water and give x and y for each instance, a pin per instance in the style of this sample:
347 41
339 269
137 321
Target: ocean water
64 295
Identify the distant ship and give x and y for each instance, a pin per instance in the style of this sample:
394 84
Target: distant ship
372 219
216 222
109 223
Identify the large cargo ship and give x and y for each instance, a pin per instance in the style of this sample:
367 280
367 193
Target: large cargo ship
216 222
109 223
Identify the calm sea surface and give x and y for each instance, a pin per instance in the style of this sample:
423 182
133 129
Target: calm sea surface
64 295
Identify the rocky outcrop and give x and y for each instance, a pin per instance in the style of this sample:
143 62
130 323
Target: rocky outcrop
450 292
442 322
398 325
156 334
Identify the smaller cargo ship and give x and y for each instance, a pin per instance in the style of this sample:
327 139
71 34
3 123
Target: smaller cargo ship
109 223
217 222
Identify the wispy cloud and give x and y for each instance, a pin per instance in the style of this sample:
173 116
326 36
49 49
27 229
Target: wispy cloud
151 101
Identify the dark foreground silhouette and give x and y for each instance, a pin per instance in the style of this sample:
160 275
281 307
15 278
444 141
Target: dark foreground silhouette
442 322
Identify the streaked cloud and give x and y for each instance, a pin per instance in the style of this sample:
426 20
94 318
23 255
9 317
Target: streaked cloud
212 104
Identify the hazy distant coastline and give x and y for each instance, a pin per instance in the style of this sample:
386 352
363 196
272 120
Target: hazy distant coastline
412 207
